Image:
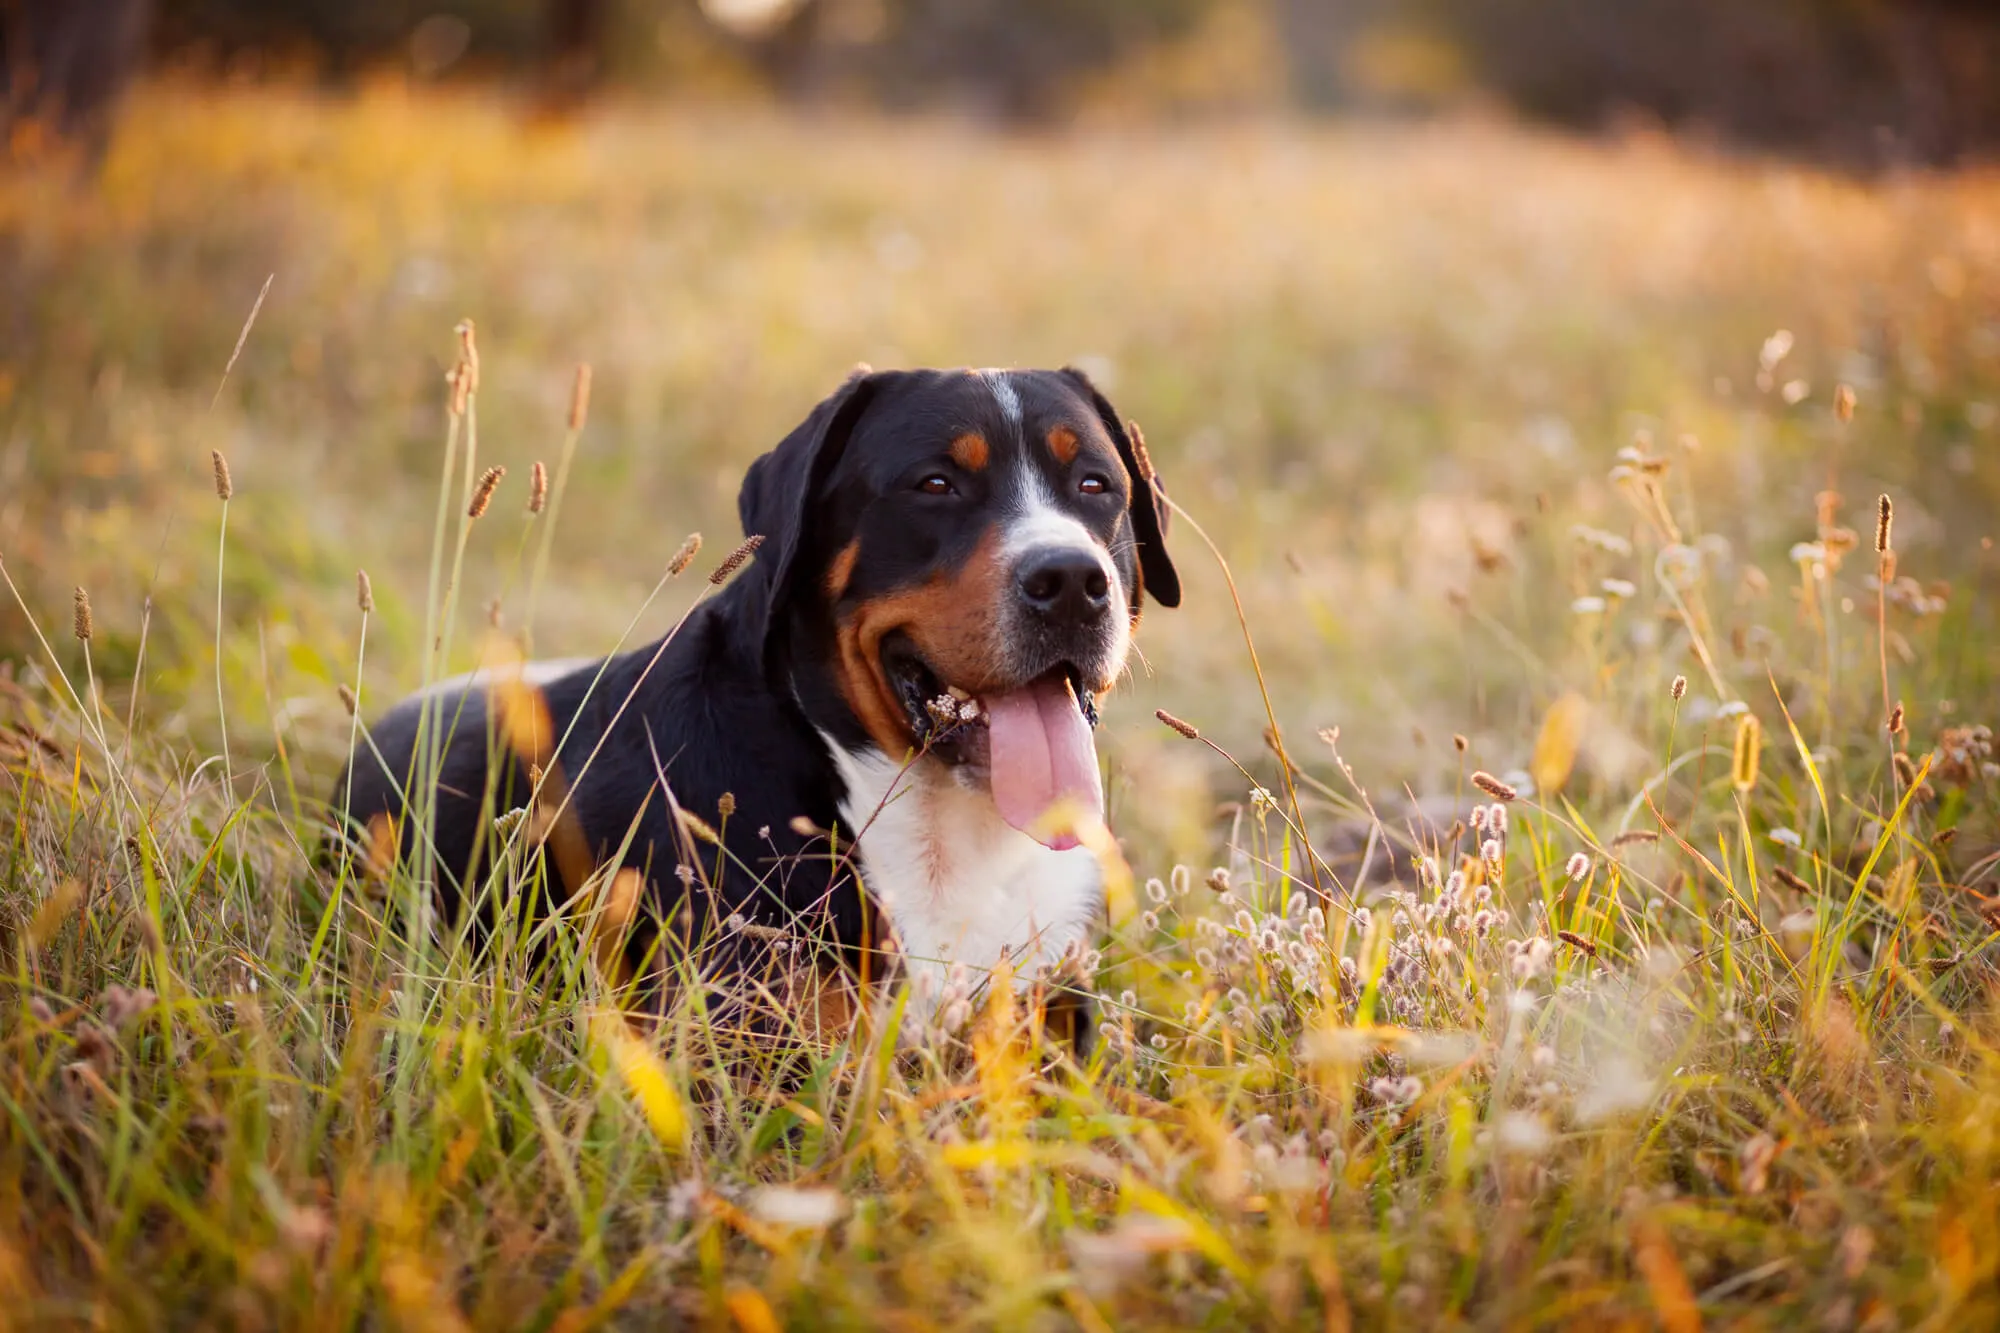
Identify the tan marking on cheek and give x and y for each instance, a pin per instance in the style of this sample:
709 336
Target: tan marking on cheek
953 619
970 451
841 571
1062 443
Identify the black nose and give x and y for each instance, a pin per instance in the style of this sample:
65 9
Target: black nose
1067 585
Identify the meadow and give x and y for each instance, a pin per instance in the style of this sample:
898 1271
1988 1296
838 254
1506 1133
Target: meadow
1555 462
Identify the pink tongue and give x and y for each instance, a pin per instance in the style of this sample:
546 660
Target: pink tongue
1042 752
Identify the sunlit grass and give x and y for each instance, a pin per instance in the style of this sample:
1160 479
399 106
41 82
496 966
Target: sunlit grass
1695 1027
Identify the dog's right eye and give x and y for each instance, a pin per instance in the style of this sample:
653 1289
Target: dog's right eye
937 484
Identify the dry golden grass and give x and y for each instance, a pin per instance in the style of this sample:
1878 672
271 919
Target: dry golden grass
1504 447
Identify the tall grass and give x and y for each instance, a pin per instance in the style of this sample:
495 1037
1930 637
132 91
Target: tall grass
1651 986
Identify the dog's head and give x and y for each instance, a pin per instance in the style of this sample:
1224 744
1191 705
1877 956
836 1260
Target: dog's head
954 563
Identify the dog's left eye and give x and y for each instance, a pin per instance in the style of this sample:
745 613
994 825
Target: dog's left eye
937 484
1094 484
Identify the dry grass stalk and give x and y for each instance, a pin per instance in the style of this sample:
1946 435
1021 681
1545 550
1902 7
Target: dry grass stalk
579 397
468 351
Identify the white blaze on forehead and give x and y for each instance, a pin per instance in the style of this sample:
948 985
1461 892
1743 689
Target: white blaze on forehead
1003 393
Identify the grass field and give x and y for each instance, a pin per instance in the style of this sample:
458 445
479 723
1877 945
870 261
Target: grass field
1502 436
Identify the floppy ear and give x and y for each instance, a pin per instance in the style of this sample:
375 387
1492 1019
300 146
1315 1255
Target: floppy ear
1149 507
775 498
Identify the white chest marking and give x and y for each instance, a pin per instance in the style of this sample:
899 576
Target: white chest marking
959 884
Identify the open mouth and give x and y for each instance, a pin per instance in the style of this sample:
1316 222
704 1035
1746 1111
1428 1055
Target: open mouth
1033 740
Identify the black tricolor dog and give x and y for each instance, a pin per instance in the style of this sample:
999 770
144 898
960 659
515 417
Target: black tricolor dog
952 567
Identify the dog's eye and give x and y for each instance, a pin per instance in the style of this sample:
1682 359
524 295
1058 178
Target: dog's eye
1094 484
937 484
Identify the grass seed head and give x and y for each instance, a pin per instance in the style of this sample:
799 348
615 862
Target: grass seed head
1679 688
1843 402
1747 753
685 556
1493 786
364 592
224 486
1576 941
1187 729
736 559
482 494
1896 720
348 699
1578 867
1140 454
538 488
84 624
1885 518
1790 880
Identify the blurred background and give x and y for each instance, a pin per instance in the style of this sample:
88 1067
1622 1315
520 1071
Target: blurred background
1390 283
1861 81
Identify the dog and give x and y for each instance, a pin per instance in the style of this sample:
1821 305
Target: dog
885 721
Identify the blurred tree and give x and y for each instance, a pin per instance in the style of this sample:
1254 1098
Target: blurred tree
1014 60
574 32
341 37
1865 80
1911 80
63 66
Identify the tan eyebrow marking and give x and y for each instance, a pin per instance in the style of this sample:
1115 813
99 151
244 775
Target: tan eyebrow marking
1063 444
970 451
